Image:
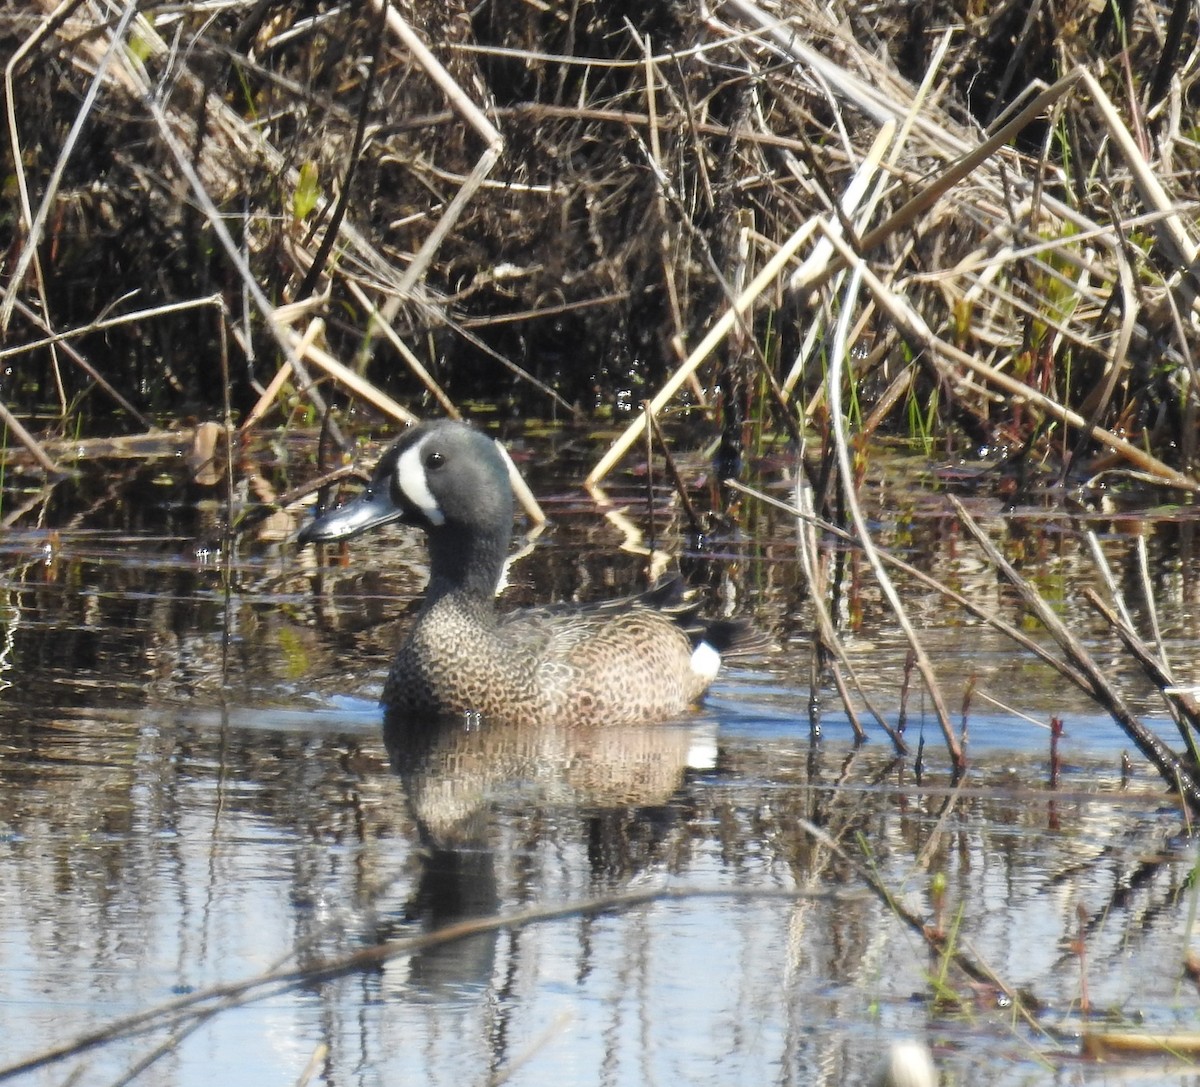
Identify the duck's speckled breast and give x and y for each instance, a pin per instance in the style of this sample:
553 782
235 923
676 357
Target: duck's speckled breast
454 662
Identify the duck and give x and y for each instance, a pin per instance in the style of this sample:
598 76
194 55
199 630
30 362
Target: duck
623 662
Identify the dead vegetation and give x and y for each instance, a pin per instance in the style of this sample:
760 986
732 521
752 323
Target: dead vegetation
549 205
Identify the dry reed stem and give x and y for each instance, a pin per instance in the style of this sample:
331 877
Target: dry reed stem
494 148
17 429
342 374
1154 664
838 352
1172 234
35 221
813 267
521 489
913 327
814 572
1000 216
1015 634
1162 758
973 966
101 324
1107 1045
1183 706
314 332
721 327
238 130
403 350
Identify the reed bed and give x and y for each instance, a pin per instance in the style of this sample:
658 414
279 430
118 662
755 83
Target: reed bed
578 209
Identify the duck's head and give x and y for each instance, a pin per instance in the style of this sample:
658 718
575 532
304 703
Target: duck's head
444 477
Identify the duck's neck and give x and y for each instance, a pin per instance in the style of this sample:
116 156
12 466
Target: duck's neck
465 565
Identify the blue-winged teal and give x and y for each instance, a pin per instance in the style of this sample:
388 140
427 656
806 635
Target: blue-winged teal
618 662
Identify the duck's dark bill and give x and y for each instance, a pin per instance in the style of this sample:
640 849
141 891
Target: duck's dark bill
368 510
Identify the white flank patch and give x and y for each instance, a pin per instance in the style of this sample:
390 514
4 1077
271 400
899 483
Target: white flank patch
706 661
410 475
907 1064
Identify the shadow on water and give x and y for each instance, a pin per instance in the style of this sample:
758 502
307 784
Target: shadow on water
195 788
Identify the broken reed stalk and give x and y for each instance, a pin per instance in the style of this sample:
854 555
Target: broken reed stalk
462 102
1173 770
343 375
815 267
838 352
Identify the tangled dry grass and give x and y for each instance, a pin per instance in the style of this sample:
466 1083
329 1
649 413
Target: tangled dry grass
550 204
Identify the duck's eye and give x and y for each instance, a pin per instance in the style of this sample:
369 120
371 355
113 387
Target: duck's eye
434 460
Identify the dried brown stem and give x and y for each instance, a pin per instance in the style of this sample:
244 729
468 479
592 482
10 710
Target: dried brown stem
1174 772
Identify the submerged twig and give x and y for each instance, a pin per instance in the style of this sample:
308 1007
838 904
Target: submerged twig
276 981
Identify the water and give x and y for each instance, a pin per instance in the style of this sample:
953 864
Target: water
195 791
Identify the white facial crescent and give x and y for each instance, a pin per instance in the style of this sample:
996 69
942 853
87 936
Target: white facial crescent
414 485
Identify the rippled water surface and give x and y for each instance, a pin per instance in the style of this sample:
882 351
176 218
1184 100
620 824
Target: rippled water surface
203 824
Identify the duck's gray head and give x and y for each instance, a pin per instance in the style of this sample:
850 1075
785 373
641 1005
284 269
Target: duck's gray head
438 476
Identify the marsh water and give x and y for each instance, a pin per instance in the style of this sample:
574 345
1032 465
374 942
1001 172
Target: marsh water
196 791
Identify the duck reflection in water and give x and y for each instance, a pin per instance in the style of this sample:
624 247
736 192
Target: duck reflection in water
467 784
